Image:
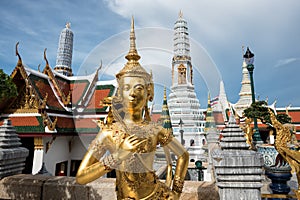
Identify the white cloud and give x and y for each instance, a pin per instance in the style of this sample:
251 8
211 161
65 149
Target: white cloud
217 29
155 46
285 62
222 27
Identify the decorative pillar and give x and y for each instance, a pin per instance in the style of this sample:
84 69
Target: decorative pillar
38 155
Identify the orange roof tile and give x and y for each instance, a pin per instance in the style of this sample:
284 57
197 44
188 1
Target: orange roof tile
27 124
97 97
65 122
78 90
63 84
24 121
294 114
85 123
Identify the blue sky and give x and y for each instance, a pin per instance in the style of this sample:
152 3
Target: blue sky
218 30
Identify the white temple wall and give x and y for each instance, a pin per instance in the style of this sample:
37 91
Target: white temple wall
80 146
58 152
65 149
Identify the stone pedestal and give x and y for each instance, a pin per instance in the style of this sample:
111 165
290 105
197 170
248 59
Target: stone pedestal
276 169
279 182
12 156
238 170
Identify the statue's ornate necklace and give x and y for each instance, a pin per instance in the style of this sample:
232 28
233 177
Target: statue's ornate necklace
135 172
142 131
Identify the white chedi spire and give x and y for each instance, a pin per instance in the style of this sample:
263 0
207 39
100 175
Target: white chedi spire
65 51
220 103
223 96
181 37
245 92
183 103
182 71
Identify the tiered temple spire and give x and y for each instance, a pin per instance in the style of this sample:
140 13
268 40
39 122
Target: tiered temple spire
245 93
183 103
220 103
165 115
181 64
65 51
210 121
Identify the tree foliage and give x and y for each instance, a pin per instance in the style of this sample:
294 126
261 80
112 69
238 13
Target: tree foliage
7 87
259 110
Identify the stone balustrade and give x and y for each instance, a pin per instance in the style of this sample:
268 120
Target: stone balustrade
41 187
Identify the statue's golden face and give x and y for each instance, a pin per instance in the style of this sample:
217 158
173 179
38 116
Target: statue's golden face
134 93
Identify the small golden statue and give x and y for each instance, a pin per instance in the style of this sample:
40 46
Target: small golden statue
283 138
131 140
248 130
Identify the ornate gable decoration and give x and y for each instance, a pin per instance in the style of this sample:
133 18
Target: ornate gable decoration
65 99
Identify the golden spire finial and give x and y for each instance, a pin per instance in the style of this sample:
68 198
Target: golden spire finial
208 98
45 58
180 14
133 67
165 93
132 54
17 54
287 110
68 25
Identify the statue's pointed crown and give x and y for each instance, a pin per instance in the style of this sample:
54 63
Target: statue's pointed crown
133 67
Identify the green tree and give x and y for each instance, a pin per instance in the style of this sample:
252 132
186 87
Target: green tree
260 111
7 87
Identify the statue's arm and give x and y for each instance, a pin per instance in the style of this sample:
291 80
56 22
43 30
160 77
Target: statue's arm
91 167
168 141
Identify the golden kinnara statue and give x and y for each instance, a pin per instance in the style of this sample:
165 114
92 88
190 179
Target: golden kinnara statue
131 140
283 138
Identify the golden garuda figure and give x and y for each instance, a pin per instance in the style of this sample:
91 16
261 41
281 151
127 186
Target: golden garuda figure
284 133
128 141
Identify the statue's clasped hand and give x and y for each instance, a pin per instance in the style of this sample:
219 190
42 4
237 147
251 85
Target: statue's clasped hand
128 146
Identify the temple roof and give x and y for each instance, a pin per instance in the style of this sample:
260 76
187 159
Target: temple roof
51 103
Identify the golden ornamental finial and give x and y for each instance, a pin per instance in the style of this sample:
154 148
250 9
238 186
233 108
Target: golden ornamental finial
68 25
45 58
17 54
151 75
180 14
132 54
287 110
133 67
165 93
208 98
